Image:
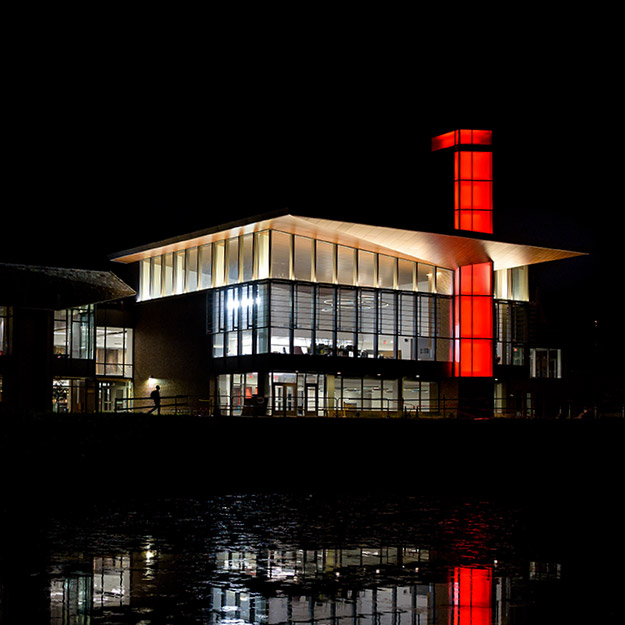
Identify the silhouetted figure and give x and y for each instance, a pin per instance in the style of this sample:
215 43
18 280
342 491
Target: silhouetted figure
586 414
155 395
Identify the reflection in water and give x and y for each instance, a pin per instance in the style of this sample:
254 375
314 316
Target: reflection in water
263 560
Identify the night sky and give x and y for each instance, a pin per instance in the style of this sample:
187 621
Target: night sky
99 163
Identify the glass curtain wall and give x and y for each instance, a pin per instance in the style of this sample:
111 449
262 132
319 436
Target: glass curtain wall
304 319
316 394
279 255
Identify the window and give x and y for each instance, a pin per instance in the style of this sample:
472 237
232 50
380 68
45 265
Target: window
300 318
304 256
168 274
406 275
512 332
74 333
366 268
325 262
387 266
206 266
262 255
346 265
114 351
280 255
219 263
247 257
232 255
545 363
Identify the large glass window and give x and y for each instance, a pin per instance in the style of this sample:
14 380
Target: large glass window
168 274
387 266
288 317
74 333
144 279
156 268
325 262
219 263
304 258
545 363
179 272
232 254
406 274
191 269
262 254
280 255
366 268
247 257
114 351
512 332
206 266
512 284
345 265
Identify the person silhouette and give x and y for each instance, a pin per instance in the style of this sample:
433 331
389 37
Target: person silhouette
155 395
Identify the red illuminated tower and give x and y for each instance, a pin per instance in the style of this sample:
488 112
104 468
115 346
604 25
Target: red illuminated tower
473 293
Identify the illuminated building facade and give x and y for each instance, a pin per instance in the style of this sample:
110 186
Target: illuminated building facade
283 314
65 339
290 315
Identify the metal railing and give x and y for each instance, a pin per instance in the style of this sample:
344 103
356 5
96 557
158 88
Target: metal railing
169 404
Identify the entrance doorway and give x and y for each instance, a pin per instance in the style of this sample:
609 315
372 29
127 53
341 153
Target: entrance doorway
285 399
311 404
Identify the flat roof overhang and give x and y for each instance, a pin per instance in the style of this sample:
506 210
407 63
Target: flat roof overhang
443 250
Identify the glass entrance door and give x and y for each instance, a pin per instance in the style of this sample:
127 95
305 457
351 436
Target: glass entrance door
284 399
310 399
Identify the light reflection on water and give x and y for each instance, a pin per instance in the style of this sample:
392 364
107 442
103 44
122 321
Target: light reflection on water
290 560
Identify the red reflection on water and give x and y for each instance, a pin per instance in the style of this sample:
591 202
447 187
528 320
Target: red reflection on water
471 596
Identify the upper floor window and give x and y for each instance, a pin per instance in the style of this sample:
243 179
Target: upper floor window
114 353
512 284
74 332
275 254
545 363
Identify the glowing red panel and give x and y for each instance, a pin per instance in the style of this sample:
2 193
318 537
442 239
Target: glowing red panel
482 279
482 165
483 137
473 318
466 165
466 136
448 140
482 195
482 221
482 317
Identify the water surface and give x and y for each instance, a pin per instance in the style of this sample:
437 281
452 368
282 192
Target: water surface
334 559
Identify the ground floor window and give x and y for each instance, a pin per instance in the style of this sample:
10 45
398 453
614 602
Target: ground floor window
73 395
234 391
319 394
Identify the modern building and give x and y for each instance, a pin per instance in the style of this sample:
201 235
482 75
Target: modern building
292 315
297 315
64 335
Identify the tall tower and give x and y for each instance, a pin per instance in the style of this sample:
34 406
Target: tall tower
474 333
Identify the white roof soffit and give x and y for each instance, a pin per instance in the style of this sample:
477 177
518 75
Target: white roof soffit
438 249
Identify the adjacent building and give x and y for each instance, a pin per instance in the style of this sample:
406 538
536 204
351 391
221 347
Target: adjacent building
65 339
